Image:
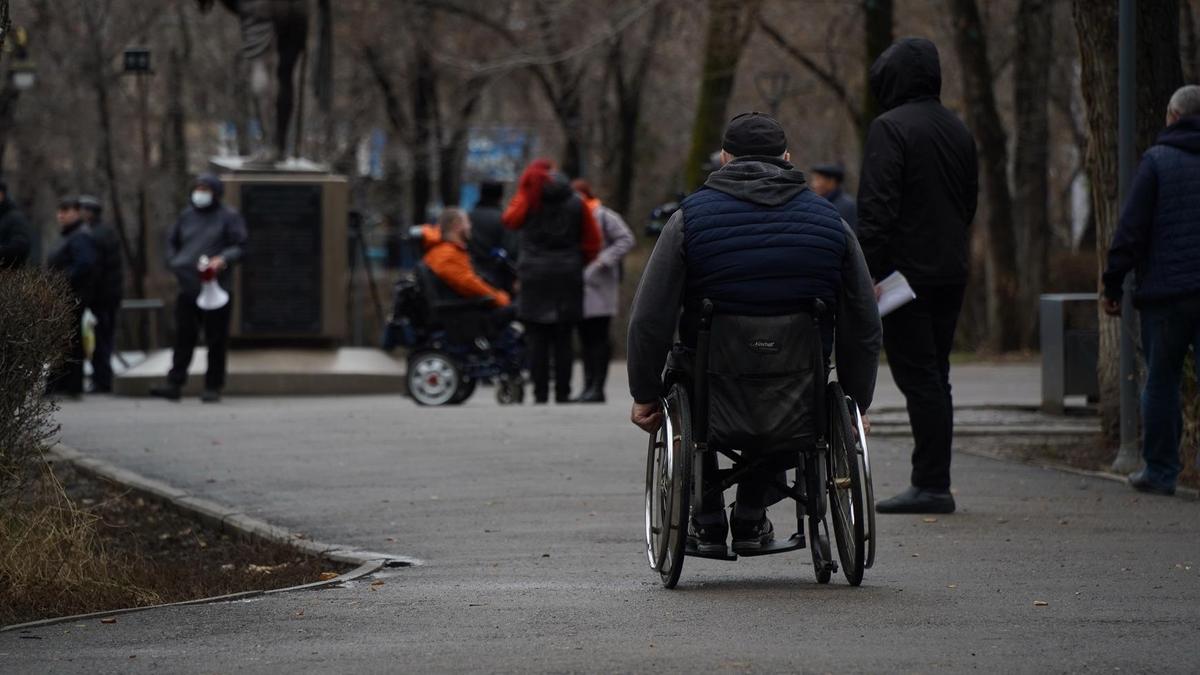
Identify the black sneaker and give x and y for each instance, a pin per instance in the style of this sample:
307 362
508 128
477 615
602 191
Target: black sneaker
752 536
210 396
708 538
168 391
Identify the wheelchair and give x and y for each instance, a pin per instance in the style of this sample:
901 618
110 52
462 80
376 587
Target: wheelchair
453 343
829 468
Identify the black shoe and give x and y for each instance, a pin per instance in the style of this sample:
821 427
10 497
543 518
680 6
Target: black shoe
211 396
169 392
563 400
708 538
591 395
1138 481
752 536
916 500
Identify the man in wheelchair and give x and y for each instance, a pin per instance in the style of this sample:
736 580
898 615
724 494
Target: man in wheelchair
447 256
788 284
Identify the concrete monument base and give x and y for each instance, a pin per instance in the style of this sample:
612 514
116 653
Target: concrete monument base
278 372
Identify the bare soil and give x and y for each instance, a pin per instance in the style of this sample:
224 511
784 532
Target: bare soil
144 553
1089 454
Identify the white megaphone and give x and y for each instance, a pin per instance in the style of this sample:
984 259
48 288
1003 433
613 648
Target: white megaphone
212 296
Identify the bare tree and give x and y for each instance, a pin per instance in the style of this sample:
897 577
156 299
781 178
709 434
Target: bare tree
1159 73
730 23
1031 193
628 62
970 41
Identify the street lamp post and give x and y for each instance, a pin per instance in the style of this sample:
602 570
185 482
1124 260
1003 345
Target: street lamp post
1127 457
138 65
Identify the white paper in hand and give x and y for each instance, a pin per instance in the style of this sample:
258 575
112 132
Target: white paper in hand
894 293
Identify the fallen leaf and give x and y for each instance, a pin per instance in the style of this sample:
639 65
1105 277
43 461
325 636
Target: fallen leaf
111 619
377 582
300 613
929 520
1040 603
952 586
326 576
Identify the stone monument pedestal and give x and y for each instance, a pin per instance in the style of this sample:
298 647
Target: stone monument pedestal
290 287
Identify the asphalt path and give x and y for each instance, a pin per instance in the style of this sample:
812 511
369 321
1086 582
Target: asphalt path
528 520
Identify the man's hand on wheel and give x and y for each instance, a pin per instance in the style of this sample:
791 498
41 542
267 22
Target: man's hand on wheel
647 416
866 420
1111 307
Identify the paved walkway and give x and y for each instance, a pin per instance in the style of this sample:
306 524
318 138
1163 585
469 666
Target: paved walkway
529 521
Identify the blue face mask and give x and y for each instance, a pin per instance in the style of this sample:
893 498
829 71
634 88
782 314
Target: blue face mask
202 199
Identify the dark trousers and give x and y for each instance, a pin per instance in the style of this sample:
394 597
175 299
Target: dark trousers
188 321
545 338
68 377
106 334
1167 332
918 338
597 351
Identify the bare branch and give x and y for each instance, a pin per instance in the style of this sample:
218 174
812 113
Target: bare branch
827 78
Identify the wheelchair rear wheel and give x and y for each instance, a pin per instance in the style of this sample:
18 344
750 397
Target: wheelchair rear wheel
433 378
846 486
668 488
465 389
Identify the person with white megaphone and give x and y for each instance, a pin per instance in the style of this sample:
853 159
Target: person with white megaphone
205 240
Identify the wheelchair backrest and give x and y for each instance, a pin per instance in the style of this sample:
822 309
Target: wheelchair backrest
463 319
763 376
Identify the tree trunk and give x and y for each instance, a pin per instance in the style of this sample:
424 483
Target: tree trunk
729 26
630 83
1158 74
878 18
1003 310
1031 87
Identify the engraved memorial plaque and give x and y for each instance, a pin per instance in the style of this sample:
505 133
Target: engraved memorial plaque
281 275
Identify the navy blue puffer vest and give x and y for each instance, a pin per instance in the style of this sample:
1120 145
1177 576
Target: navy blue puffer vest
761 260
1171 268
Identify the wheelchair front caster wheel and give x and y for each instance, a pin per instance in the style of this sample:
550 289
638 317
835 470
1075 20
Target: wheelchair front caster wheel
434 379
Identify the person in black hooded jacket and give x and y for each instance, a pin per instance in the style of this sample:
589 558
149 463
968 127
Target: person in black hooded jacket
206 228
916 199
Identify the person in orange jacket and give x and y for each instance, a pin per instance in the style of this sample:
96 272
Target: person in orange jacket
447 257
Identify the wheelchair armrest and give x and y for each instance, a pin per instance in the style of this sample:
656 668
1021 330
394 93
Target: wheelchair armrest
461 305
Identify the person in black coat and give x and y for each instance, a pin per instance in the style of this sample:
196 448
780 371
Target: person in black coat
489 234
110 286
826 180
14 233
916 200
76 258
558 237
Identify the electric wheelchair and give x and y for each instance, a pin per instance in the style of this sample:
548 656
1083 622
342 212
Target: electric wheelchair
756 391
454 343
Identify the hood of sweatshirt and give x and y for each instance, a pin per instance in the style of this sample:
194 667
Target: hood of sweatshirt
907 71
767 181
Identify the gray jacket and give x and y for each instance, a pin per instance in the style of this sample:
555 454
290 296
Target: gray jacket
655 313
602 277
217 230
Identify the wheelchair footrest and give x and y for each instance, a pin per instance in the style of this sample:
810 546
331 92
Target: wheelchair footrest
795 542
692 552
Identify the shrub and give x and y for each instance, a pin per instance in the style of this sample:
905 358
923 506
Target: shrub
35 325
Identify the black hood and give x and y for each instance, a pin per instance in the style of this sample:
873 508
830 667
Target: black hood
1184 134
213 183
557 189
767 181
907 71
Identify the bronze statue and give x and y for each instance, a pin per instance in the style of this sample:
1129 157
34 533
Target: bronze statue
282 24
